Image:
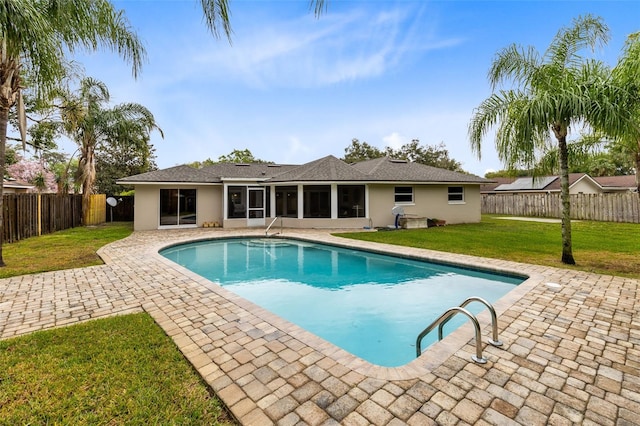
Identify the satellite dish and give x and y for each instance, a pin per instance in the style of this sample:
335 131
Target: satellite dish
397 210
112 203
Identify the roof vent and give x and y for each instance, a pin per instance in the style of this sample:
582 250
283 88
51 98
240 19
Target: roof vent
242 165
273 165
397 160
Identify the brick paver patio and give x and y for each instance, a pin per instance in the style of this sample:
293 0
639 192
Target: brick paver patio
571 352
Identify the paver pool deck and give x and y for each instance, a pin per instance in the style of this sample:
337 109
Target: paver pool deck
571 352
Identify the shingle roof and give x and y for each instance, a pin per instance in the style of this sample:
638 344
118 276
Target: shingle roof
325 169
628 181
389 169
247 170
181 173
328 168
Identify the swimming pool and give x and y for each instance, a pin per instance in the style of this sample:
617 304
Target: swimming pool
369 304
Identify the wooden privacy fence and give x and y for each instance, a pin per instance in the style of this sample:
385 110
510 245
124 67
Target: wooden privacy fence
623 207
96 212
29 215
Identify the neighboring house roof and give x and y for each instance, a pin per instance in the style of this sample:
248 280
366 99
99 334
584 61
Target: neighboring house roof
326 169
573 179
527 184
495 182
16 184
552 183
540 183
617 182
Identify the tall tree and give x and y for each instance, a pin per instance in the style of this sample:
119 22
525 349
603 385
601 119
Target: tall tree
431 155
119 159
550 94
627 75
37 35
361 151
87 119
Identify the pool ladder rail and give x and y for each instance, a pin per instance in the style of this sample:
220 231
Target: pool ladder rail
266 232
449 313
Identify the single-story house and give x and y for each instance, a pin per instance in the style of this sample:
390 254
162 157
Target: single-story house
325 193
13 186
579 183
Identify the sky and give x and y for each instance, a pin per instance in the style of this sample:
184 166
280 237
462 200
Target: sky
292 88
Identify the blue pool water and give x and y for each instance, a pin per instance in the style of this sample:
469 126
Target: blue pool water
371 305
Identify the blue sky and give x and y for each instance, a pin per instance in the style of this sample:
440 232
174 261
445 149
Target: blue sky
293 88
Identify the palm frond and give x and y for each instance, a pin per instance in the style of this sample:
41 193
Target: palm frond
586 32
514 63
216 16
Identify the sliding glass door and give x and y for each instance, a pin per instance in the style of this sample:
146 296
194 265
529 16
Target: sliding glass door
177 207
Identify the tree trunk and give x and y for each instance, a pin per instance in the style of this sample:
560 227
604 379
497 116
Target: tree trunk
567 251
638 169
4 119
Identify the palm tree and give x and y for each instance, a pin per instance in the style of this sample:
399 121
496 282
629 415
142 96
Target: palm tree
551 94
88 121
37 35
217 14
627 75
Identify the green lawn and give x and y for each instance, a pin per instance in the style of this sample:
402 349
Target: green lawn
602 247
116 371
71 248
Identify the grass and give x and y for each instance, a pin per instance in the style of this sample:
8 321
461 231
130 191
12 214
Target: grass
115 371
600 247
71 248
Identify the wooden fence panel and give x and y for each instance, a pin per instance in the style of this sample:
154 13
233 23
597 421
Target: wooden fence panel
621 207
96 213
123 211
29 215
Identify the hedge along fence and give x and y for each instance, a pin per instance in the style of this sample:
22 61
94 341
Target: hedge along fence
29 215
622 207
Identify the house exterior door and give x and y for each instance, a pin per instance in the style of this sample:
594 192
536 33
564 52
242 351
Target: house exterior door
255 211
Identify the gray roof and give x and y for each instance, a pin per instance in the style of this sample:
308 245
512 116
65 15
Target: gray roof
389 169
246 170
176 174
326 169
215 173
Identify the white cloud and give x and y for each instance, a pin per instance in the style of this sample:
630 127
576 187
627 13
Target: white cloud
395 140
306 52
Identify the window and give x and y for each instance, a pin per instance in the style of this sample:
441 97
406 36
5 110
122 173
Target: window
237 202
177 207
351 201
317 201
404 194
456 194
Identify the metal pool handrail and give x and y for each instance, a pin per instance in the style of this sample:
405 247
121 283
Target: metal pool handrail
494 319
445 316
266 232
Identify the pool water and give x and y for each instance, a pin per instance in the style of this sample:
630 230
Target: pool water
372 305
